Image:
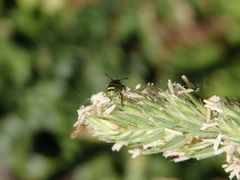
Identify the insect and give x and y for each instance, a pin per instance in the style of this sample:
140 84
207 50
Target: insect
115 87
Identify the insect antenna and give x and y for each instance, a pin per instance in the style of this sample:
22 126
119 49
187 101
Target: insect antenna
115 79
108 76
123 79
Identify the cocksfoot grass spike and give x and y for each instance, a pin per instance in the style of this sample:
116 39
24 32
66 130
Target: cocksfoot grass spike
172 122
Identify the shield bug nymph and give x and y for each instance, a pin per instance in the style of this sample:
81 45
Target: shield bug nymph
115 87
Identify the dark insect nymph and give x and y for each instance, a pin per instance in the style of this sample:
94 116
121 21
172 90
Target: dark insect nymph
115 87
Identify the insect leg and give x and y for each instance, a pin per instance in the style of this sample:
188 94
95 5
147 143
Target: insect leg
121 95
109 97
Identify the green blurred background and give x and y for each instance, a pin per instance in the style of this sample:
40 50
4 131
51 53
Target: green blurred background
54 54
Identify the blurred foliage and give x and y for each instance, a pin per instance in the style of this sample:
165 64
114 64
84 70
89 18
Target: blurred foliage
53 56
